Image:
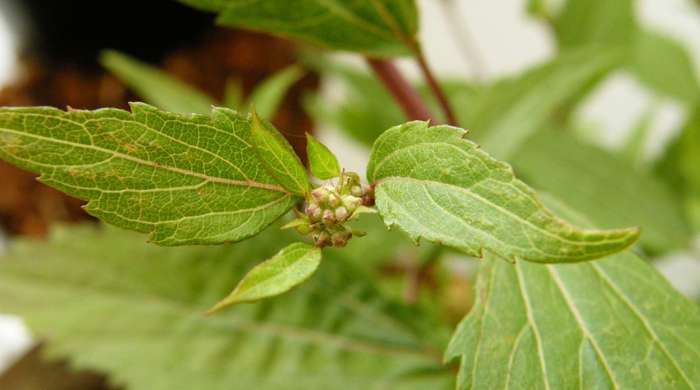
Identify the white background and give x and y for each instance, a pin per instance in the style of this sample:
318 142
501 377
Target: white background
507 41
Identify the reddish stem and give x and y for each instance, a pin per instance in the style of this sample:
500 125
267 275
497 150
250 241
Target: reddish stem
435 88
406 96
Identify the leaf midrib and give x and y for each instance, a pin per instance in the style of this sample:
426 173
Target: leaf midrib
532 323
213 179
647 327
505 211
585 332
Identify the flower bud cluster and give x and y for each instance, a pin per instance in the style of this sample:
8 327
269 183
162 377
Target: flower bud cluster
329 207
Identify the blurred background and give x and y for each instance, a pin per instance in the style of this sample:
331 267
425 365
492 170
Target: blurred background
49 56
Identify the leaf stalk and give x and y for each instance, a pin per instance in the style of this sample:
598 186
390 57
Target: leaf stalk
403 92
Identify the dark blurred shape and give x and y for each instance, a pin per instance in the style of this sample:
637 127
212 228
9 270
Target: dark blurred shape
32 372
60 69
76 30
28 207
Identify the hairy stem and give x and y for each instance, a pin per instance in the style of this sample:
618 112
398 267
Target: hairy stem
405 95
435 87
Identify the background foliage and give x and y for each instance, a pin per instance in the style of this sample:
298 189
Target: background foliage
611 323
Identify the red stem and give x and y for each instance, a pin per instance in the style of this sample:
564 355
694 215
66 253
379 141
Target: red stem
406 96
435 88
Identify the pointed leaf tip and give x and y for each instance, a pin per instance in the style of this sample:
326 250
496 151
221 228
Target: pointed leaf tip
323 163
289 268
278 156
434 184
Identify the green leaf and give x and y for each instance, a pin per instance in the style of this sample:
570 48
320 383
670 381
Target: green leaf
366 109
614 323
596 22
607 189
156 86
433 183
183 179
233 95
679 167
541 9
665 66
506 114
502 115
289 268
634 147
268 95
375 27
323 163
279 157
335 331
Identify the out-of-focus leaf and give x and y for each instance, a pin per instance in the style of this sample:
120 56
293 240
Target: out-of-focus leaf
665 66
233 95
634 148
322 162
433 183
501 115
185 179
658 61
366 110
504 115
268 95
165 91
615 323
607 189
596 22
374 27
278 156
156 86
136 311
287 269
680 168
537 8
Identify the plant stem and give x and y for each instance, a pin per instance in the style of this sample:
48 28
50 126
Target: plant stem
406 96
418 275
434 86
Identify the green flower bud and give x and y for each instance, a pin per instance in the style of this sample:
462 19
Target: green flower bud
318 194
351 202
313 212
333 200
341 214
322 239
357 191
304 229
340 239
352 179
328 217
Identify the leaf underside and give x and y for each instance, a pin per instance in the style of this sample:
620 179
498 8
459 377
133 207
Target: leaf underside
605 188
336 331
374 27
434 184
612 323
289 268
183 179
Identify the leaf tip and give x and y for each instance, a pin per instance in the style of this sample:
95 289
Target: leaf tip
255 118
218 307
